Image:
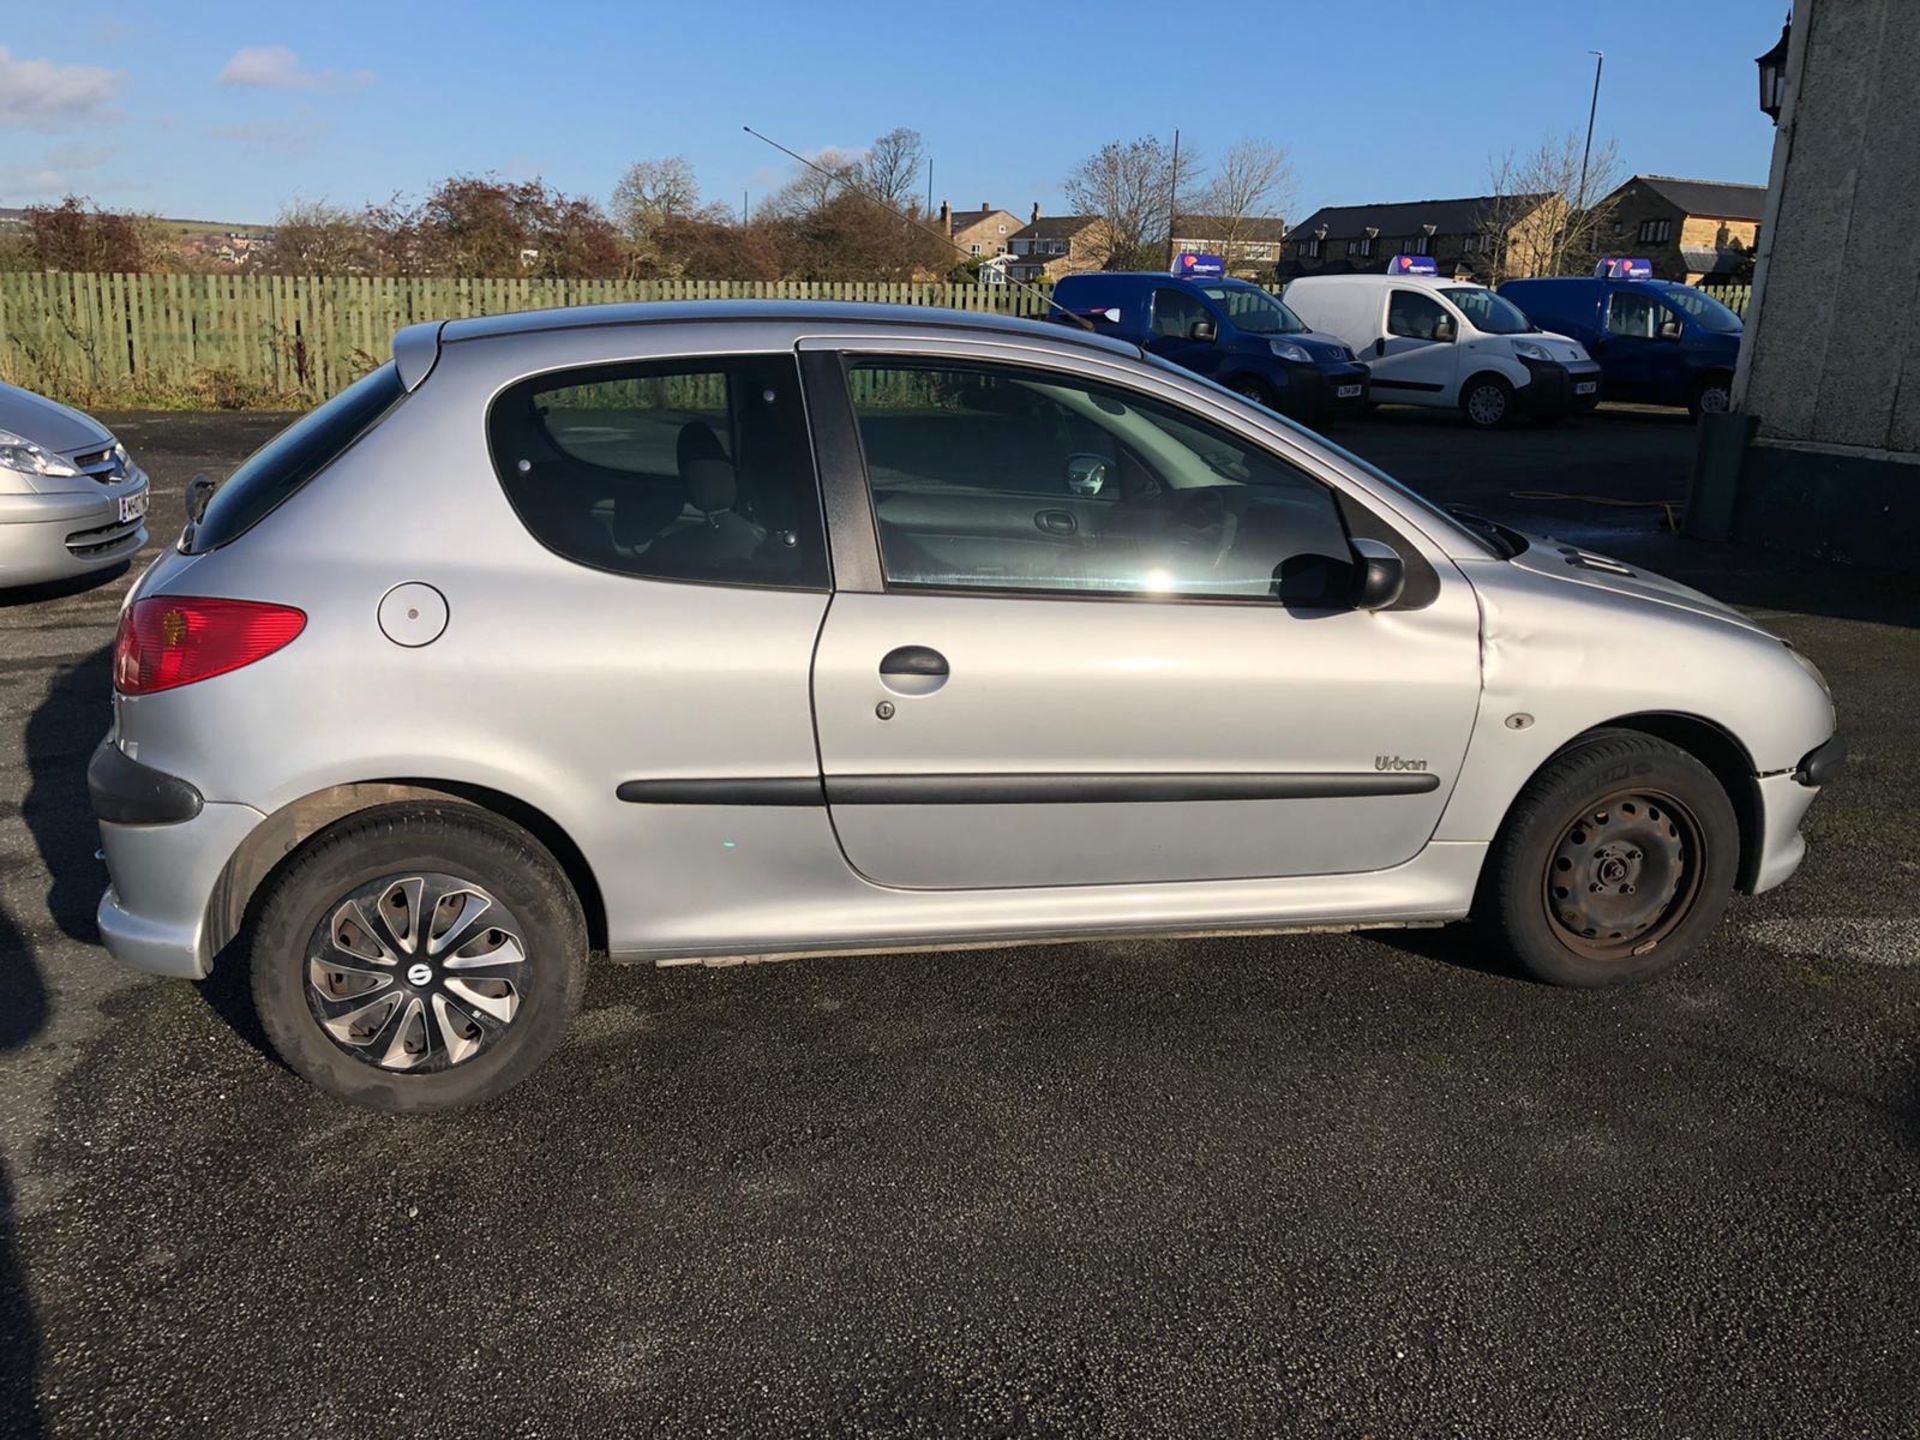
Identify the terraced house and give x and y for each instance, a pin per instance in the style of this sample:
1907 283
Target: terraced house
1250 244
1470 236
1050 246
1697 231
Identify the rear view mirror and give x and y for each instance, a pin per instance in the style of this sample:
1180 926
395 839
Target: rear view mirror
1086 475
1202 330
1383 574
1443 330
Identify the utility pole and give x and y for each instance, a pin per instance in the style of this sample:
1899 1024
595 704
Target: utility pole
929 184
1173 198
1599 59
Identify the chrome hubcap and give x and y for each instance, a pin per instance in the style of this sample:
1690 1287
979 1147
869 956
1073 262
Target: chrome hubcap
416 972
1487 404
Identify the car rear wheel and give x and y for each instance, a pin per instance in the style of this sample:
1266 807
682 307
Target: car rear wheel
1614 863
1487 402
418 958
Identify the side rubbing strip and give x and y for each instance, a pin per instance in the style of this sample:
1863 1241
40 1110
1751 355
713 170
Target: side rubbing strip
798 790
1114 789
1022 789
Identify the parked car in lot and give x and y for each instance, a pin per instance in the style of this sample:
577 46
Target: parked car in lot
1429 341
760 629
71 499
1228 330
1656 342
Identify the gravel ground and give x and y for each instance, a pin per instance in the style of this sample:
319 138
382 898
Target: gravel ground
1343 1186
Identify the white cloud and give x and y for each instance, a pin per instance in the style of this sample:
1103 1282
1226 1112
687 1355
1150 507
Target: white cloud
41 95
276 67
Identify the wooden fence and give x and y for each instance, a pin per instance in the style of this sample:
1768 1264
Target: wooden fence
265 339
239 340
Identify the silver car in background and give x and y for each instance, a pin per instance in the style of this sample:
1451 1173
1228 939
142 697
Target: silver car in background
754 630
71 500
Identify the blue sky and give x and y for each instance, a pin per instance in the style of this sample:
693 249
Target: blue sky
227 112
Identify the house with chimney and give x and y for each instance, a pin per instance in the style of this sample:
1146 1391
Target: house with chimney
1696 231
984 232
1049 246
1468 236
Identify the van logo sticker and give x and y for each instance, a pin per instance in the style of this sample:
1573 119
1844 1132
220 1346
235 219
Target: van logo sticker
1394 762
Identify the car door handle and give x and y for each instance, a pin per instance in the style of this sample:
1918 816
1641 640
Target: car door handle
913 670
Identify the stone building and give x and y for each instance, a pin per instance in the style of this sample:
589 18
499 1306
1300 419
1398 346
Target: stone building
1696 231
1251 245
984 232
1472 236
1050 246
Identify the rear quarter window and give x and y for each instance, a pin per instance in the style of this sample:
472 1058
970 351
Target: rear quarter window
275 472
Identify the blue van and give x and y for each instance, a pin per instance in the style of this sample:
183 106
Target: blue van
1227 330
1657 342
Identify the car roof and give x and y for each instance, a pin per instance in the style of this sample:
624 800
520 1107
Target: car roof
799 312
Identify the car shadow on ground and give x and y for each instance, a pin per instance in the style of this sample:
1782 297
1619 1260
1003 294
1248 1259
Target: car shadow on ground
60 738
25 595
23 1014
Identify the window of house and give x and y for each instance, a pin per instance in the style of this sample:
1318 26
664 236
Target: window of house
1655 232
1412 315
973 249
1007 478
1420 245
674 470
1366 245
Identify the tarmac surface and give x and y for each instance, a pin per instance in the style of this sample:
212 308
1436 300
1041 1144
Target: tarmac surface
1366 1185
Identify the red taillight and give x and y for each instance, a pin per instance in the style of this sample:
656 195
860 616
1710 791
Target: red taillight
171 640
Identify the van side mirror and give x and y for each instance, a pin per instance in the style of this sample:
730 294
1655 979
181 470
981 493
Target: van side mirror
1383 574
1203 330
1443 330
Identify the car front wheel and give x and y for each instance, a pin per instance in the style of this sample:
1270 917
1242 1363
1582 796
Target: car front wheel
418 957
1615 862
1487 402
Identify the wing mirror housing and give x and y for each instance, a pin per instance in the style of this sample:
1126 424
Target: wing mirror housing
1086 475
1444 331
1382 574
1203 330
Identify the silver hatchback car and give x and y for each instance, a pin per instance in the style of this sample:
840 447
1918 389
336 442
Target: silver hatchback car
755 630
71 500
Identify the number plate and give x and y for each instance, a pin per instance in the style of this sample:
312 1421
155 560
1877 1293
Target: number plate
1585 387
132 507
1346 392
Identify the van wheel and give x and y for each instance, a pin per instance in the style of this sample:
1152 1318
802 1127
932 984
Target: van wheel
1711 396
1614 863
1252 388
1487 402
418 957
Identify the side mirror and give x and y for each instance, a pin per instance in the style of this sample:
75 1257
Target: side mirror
1086 475
1670 330
1443 330
199 491
1383 574
1204 330
1380 345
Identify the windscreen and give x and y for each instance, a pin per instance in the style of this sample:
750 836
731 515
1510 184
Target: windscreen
1705 311
1489 313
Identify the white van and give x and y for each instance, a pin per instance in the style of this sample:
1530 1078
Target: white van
1430 341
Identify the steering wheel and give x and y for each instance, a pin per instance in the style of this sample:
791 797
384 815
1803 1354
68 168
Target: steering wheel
1195 524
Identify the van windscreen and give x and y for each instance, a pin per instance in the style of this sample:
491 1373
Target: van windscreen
1253 310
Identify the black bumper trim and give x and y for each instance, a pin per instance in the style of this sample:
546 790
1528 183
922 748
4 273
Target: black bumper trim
1822 763
125 792
1550 390
1070 789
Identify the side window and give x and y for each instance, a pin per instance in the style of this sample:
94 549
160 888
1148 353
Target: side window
1634 314
1413 315
1005 478
674 470
1174 312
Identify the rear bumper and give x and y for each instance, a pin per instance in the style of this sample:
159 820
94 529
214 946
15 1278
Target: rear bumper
154 914
1560 388
54 537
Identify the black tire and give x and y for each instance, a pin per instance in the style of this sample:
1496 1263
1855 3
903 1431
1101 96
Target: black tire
1712 395
1488 403
1253 388
392 846
1612 814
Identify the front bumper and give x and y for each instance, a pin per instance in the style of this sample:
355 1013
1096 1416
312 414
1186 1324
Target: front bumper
1313 391
1556 387
55 537
154 914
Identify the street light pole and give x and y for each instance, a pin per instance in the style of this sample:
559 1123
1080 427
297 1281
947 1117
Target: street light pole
1599 59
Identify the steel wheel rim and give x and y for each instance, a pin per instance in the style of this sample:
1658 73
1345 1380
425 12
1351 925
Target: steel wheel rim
1623 874
1487 404
416 973
1715 400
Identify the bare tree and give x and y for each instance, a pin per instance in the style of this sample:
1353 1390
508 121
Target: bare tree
890 170
811 188
653 192
1539 221
1253 181
1128 185
315 238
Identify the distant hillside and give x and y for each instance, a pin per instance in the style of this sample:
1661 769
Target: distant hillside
18 216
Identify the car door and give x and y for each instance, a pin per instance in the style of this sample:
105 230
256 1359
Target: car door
1637 361
1175 314
1411 363
1176 690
